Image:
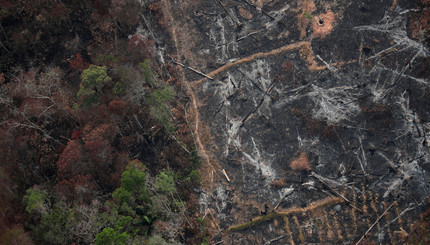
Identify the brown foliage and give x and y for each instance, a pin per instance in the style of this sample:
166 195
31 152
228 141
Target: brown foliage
15 236
245 14
126 12
279 183
99 132
157 9
306 7
102 6
288 66
191 230
7 197
93 115
78 188
71 161
76 134
78 63
139 48
99 152
117 106
301 163
421 228
420 24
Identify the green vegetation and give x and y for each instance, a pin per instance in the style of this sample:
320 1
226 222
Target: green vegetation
119 88
15 235
307 15
110 236
159 108
133 178
205 241
129 207
164 182
193 176
135 208
34 201
92 81
55 227
110 58
147 73
158 97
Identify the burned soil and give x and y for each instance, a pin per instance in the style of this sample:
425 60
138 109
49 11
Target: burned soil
311 117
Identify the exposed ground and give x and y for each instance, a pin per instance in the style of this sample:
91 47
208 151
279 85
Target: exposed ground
312 117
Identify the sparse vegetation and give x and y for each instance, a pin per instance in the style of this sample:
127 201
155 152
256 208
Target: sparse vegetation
308 15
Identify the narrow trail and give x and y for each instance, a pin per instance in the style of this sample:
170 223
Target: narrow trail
303 46
248 59
194 103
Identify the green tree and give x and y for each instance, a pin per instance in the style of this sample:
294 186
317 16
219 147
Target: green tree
147 74
164 182
109 236
129 207
55 227
92 81
159 107
161 96
133 178
35 201
122 195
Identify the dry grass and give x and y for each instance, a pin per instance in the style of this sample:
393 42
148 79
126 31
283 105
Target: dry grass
301 163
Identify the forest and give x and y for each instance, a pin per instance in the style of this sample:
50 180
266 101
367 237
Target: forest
94 146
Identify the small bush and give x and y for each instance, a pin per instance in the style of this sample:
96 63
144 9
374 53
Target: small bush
194 176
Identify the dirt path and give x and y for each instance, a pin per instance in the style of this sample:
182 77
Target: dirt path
177 37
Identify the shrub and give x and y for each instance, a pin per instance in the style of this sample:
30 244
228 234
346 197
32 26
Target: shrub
164 182
194 176
119 89
78 63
